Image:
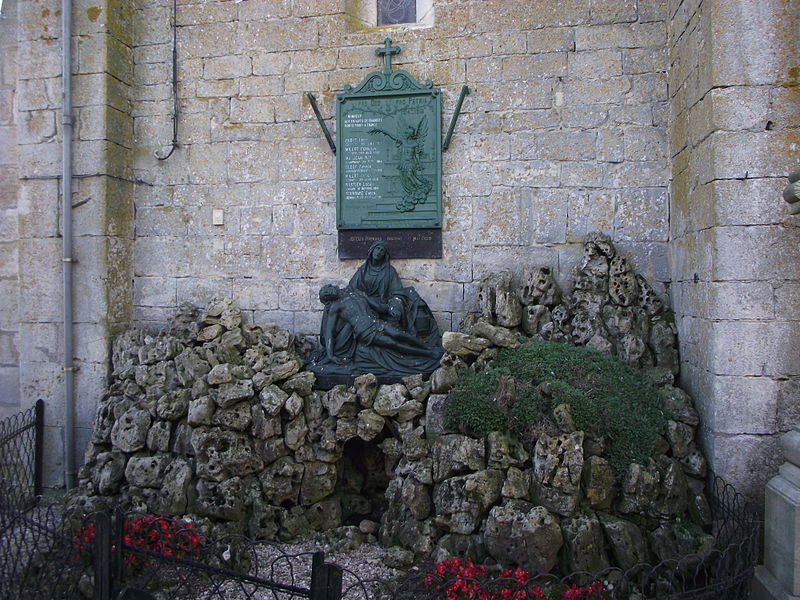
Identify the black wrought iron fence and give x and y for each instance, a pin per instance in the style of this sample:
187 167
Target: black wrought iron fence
47 554
20 460
36 551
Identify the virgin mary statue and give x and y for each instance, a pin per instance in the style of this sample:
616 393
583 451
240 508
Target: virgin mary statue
399 305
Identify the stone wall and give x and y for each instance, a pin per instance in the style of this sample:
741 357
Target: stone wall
571 127
9 245
102 207
564 133
735 254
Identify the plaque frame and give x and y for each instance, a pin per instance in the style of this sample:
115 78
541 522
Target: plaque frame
388 170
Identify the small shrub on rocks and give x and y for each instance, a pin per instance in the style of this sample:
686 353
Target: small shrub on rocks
606 397
470 406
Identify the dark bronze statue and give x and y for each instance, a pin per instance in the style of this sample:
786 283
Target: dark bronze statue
376 325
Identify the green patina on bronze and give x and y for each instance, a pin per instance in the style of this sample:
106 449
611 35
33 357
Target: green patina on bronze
389 157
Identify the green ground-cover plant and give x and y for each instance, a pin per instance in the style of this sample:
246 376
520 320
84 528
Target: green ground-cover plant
607 398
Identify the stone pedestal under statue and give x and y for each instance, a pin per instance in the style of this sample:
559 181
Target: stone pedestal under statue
779 577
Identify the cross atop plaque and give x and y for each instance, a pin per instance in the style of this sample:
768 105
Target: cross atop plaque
389 163
387 50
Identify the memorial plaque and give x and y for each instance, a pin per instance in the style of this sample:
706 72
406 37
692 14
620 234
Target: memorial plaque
389 155
402 243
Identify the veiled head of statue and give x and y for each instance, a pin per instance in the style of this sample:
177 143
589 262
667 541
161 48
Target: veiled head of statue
378 252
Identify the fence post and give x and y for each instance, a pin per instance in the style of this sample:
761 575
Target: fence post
117 562
326 579
38 448
333 578
102 555
317 576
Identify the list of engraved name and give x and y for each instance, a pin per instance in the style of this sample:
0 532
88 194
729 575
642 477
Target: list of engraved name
363 159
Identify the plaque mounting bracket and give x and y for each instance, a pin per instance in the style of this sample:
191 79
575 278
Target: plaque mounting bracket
387 51
454 119
313 101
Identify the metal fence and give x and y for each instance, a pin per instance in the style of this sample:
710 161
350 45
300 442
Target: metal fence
50 554
20 460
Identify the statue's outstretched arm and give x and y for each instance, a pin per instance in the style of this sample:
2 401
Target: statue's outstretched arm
377 306
389 135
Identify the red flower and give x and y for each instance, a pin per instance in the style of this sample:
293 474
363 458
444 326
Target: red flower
464 580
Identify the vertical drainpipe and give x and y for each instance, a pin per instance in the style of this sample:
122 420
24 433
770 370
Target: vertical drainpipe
66 198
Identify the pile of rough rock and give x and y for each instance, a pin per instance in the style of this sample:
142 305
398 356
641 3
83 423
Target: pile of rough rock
215 419
611 309
560 505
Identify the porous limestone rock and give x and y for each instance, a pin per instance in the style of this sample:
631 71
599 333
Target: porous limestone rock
557 469
366 386
538 287
175 494
201 410
129 432
497 300
158 436
462 502
231 393
370 424
454 454
585 544
390 399
461 344
109 471
674 540
221 454
625 540
417 497
598 482
146 471
520 533
505 451
498 336
319 481
517 485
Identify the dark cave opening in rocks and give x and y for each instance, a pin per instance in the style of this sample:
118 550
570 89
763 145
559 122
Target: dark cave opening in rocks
362 482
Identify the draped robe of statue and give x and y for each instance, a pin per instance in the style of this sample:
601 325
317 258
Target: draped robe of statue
379 280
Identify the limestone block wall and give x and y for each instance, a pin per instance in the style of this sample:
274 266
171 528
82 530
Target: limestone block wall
9 246
102 206
735 256
668 124
564 133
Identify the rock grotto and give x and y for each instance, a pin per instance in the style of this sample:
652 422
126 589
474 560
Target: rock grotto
217 420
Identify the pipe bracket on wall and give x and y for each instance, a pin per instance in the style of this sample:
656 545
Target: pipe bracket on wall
160 154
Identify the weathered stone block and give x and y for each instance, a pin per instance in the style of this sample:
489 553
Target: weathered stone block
520 533
453 454
461 502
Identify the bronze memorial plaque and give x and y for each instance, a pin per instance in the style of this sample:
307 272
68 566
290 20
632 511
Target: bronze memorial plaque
389 164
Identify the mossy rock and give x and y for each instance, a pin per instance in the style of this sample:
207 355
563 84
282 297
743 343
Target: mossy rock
607 398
